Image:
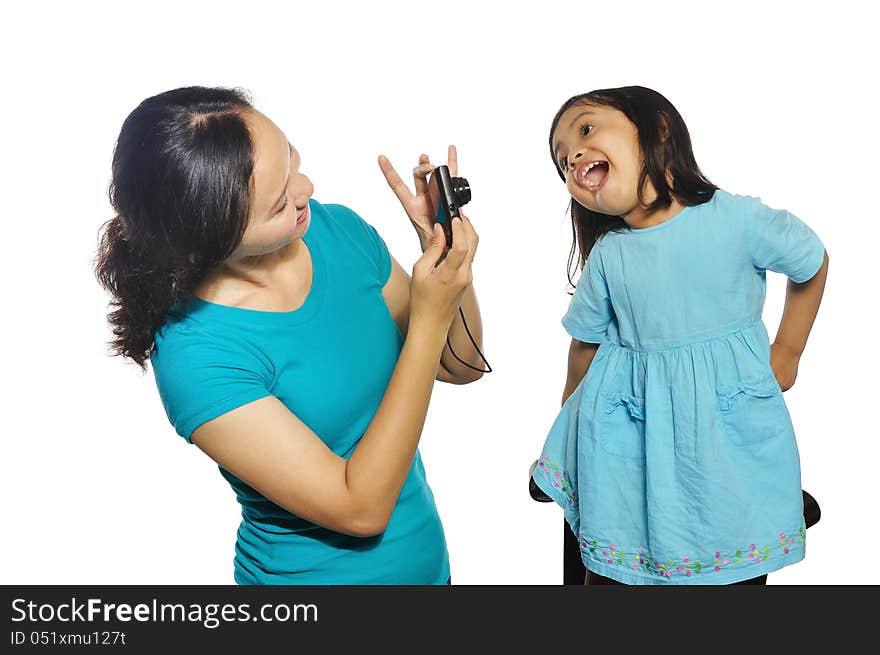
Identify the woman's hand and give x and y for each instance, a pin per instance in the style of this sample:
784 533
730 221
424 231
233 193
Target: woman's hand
418 207
437 288
784 362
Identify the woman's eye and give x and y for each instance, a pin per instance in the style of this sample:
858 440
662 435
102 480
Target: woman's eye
586 129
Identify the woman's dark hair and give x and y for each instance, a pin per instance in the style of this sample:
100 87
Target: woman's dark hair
665 145
180 189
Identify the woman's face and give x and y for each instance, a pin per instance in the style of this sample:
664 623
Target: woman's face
279 208
597 150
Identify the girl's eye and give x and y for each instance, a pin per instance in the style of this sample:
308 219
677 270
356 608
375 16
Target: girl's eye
586 129
563 163
283 207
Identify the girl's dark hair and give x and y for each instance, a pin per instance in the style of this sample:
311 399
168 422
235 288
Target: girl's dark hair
180 189
665 145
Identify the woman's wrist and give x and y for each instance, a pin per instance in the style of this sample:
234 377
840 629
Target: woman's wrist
426 334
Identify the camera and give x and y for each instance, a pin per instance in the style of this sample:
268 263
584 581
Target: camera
447 194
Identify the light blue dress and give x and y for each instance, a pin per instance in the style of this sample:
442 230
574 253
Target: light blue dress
675 458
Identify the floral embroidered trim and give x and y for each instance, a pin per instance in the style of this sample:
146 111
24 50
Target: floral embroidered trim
641 559
556 474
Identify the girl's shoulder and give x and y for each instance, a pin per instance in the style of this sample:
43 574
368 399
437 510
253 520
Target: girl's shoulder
724 201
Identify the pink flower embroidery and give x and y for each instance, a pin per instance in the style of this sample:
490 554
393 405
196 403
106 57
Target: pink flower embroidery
686 560
724 562
605 553
679 568
717 568
613 547
610 561
782 535
752 547
669 574
717 554
688 573
785 550
635 566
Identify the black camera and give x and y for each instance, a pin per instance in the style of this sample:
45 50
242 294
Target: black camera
448 194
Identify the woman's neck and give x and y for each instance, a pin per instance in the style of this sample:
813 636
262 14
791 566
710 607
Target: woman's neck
234 280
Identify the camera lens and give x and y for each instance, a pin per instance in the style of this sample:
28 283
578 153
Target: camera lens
461 190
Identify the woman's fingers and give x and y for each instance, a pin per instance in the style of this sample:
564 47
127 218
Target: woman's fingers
452 160
433 252
457 254
473 238
420 174
397 185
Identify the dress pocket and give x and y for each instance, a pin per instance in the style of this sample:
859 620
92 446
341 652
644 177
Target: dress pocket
753 410
622 426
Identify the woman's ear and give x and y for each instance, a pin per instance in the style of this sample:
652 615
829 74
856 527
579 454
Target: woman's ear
662 126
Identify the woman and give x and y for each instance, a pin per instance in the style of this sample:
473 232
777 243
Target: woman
286 342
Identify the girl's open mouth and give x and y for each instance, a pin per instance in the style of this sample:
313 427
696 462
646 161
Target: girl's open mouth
592 175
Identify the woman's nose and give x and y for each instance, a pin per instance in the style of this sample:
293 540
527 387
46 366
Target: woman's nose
304 191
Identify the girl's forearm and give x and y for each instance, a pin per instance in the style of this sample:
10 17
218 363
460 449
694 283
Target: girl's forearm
580 356
801 306
461 342
377 469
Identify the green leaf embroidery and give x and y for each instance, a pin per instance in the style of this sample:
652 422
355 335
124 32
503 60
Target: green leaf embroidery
697 567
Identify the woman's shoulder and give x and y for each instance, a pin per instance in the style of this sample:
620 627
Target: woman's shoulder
345 229
184 338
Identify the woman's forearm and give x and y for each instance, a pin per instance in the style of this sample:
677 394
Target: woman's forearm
801 306
461 342
377 469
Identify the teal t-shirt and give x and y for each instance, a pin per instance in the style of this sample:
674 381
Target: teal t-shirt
329 362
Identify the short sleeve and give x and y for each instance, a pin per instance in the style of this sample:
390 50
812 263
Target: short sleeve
200 378
366 238
589 313
781 242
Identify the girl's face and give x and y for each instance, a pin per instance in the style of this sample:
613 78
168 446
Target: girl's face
279 209
597 150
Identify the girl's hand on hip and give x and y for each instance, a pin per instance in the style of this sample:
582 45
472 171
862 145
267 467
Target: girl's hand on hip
418 207
784 362
438 283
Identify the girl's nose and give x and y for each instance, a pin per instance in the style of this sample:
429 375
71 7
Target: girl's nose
574 159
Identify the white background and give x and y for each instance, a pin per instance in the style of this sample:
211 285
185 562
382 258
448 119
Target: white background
780 99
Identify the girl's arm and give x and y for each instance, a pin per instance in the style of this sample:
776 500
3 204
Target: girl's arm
801 306
580 356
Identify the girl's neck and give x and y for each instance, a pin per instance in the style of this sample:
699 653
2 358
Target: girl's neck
640 217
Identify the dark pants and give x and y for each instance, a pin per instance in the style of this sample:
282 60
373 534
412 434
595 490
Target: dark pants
596 579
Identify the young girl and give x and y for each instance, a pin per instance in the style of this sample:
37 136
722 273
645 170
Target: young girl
674 457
